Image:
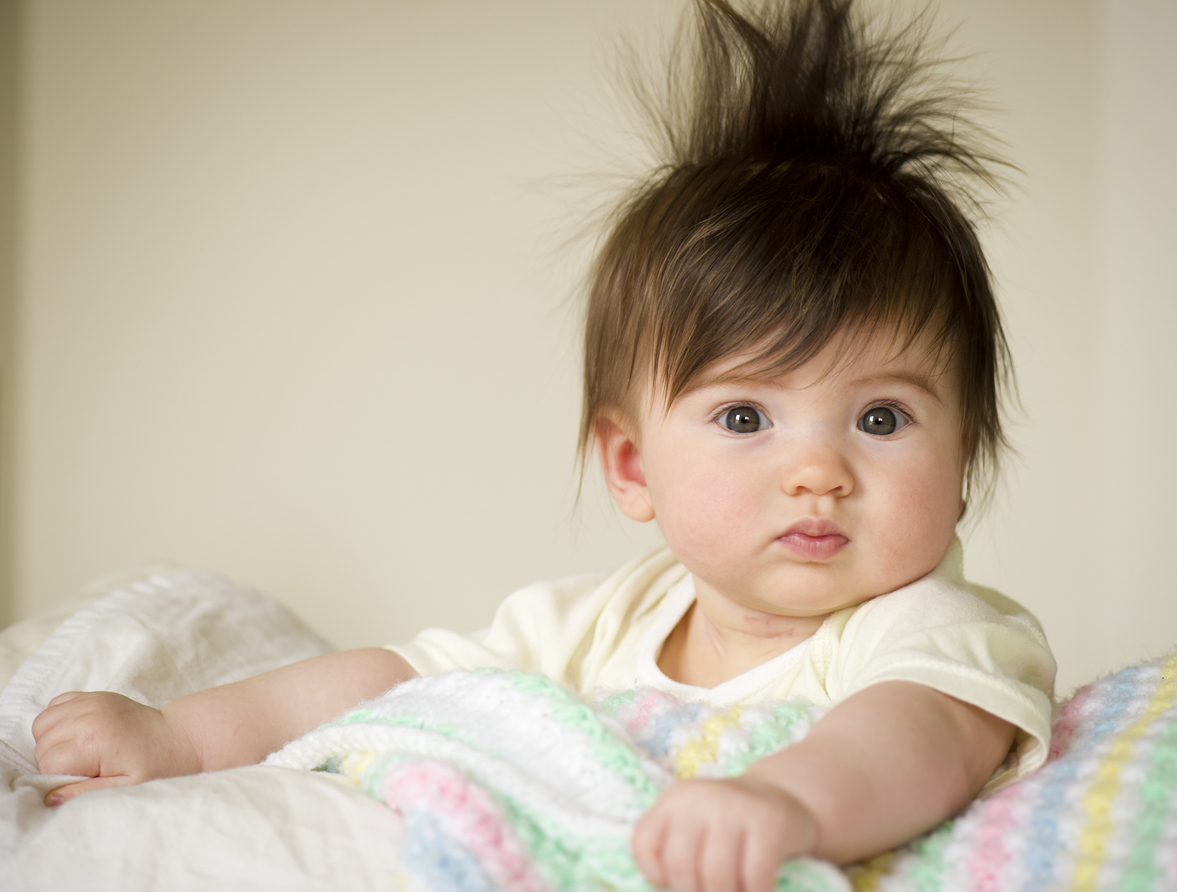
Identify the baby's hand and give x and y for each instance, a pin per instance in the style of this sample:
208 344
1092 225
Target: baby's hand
112 740
722 835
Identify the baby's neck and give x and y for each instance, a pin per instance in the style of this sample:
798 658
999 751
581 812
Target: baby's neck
714 643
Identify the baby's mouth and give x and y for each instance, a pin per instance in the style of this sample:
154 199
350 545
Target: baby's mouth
814 539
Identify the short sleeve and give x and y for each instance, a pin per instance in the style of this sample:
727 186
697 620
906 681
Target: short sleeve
571 630
965 641
534 630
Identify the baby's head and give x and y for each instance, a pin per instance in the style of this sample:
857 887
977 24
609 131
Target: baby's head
791 334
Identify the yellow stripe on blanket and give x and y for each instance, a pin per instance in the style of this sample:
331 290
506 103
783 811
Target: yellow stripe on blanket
704 748
1098 802
867 876
355 765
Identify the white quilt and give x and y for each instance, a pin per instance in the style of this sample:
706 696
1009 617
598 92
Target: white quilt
154 637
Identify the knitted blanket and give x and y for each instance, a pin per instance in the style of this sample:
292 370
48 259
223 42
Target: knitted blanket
1100 815
507 781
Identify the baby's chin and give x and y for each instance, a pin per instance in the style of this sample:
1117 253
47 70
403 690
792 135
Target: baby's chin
817 606
791 599
816 591
823 603
809 590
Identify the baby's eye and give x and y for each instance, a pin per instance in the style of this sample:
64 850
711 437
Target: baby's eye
882 420
743 420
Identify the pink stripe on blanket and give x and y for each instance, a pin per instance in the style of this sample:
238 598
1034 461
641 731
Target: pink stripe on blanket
471 814
650 699
1067 722
990 854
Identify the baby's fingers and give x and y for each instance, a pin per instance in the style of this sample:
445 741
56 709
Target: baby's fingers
60 754
62 698
648 838
681 856
721 859
51 715
67 792
760 868
772 836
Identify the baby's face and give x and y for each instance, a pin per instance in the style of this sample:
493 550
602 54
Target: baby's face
817 490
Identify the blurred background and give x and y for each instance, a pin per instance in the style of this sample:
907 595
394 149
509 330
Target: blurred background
287 291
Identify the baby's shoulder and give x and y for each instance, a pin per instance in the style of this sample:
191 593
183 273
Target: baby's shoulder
936 603
586 600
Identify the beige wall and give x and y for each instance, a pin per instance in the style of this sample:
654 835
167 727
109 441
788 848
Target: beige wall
293 303
1136 230
10 34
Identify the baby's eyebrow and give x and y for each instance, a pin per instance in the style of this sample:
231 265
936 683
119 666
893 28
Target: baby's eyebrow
912 377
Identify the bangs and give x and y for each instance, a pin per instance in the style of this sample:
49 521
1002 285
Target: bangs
782 266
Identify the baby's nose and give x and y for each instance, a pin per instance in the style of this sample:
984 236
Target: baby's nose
819 469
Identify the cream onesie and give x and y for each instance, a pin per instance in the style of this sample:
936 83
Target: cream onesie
605 635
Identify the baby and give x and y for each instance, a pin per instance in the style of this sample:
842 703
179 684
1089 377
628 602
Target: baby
793 361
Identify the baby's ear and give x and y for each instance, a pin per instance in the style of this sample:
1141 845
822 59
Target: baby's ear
615 435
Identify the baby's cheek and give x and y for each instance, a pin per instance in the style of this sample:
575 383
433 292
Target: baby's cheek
921 525
709 530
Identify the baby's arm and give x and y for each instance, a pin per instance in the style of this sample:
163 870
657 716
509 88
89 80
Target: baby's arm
880 768
115 741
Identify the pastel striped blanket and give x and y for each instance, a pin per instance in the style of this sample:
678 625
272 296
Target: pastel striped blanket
509 782
1100 815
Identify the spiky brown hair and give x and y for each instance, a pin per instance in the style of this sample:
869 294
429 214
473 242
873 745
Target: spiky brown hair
814 183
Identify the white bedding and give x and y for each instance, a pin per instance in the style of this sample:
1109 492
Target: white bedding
154 636
159 635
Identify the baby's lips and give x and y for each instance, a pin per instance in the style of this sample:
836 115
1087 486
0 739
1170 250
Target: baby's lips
814 527
813 548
